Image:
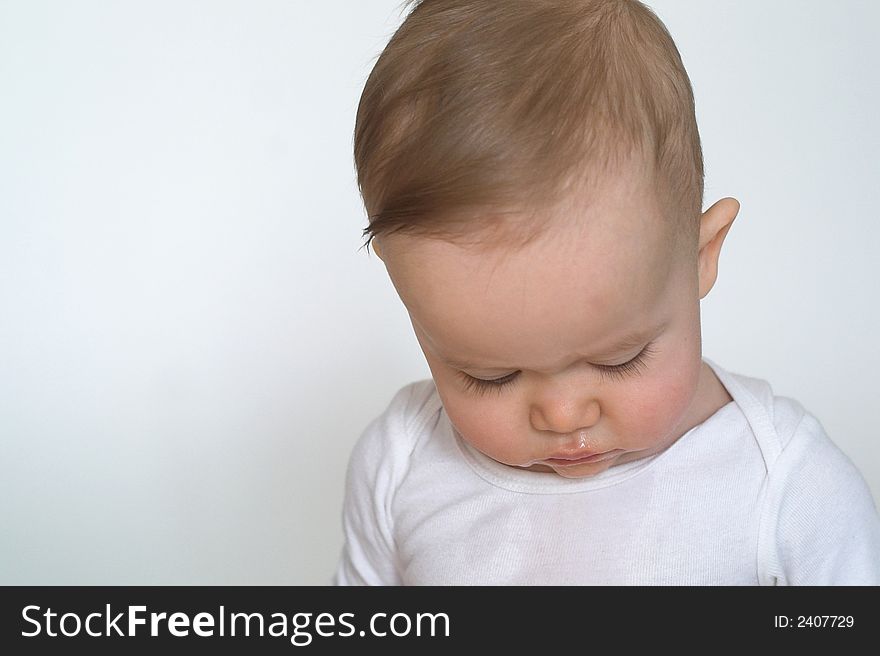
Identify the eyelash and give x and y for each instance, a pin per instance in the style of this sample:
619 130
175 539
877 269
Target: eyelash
634 367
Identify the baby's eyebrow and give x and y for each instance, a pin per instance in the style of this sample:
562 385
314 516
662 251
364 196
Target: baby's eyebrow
627 342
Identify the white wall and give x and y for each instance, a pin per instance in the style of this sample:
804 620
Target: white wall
190 339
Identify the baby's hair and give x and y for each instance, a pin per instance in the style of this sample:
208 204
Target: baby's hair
479 112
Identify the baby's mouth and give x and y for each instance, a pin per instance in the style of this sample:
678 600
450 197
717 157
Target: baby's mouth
567 460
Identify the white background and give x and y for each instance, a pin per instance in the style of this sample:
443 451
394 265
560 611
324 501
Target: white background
190 339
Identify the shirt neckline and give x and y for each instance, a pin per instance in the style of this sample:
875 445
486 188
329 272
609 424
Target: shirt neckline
532 482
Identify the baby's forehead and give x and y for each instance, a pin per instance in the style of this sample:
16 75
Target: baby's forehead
597 266
621 206
576 234
613 233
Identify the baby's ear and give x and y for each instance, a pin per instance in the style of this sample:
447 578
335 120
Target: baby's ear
714 226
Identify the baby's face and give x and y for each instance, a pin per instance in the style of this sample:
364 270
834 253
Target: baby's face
550 322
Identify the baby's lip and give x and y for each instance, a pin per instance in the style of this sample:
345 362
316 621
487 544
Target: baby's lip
577 455
587 456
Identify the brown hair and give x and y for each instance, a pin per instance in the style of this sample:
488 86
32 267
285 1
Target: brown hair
480 109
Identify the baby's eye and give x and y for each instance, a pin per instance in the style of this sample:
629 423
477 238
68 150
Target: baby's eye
633 367
480 386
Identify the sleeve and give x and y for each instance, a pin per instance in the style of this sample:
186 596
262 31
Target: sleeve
375 467
823 516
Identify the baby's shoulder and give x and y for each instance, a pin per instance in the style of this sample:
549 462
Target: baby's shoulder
775 419
797 451
806 450
800 433
390 437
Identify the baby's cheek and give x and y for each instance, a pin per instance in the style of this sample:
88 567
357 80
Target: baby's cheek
481 425
658 407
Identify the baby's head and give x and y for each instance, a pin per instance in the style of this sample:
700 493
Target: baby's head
533 177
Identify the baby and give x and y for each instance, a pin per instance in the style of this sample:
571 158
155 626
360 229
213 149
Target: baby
533 177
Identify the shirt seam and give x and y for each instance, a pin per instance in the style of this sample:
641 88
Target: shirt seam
773 568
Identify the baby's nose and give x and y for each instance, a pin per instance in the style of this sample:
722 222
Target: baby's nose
573 416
